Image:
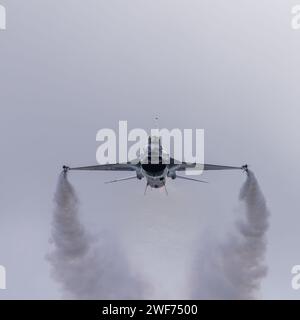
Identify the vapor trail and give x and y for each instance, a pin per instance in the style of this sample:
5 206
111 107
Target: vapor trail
84 268
234 270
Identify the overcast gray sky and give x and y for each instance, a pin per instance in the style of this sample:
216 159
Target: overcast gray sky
69 68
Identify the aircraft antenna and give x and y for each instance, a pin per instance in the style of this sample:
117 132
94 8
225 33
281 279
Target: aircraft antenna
156 122
146 189
166 189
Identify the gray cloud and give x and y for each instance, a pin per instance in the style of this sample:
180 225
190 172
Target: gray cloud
69 69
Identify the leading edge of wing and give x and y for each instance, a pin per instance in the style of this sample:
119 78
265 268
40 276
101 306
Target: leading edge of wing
206 166
107 167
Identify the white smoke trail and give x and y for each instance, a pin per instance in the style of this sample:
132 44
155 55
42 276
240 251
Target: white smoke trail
85 269
234 270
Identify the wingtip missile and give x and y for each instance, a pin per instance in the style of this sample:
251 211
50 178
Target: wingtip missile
245 168
66 169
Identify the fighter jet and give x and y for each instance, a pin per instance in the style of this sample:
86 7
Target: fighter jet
156 166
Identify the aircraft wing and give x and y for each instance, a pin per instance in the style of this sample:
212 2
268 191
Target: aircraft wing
183 166
129 166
